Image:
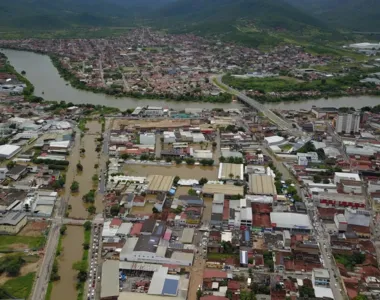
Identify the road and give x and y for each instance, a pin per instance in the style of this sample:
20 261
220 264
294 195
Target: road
259 107
103 165
43 273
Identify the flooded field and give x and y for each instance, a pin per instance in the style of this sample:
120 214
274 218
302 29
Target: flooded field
84 178
65 288
183 171
207 210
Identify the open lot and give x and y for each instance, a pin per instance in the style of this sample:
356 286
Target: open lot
21 286
19 242
34 229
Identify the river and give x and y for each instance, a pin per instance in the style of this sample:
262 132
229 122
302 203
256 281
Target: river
41 72
45 78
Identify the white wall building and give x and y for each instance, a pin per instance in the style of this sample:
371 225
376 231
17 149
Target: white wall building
338 176
147 139
347 123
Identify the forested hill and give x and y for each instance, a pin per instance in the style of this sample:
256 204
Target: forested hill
57 14
357 15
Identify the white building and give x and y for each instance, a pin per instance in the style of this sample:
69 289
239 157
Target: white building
169 137
347 123
290 221
310 156
340 222
8 151
147 139
149 249
153 111
320 277
357 217
338 176
274 140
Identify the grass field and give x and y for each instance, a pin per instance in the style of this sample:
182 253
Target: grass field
20 287
219 256
10 242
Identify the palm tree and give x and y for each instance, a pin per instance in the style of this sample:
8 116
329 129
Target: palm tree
231 175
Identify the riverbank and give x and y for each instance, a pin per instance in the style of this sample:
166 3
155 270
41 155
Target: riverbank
118 92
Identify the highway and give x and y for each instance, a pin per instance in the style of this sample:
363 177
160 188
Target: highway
259 107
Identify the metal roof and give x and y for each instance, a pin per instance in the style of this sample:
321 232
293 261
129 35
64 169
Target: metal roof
170 287
110 279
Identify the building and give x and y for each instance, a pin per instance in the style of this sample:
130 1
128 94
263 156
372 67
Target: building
340 222
169 137
8 151
290 221
3 173
320 277
338 200
153 111
159 183
262 185
324 112
17 172
357 217
309 156
228 190
147 138
12 222
338 176
230 171
347 123
274 140
110 280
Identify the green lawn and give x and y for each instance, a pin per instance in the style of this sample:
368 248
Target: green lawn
6 241
20 287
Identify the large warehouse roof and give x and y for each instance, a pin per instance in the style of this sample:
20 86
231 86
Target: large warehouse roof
110 279
8 150
290 220
160 183
187 235
226 189
261 185
226 170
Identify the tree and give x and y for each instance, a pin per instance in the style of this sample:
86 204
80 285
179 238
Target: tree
125 156
231 175
23 73
74 186
229 294
91 209
192 192
168 159
82 150
115 209
81 266
214 144
87 225
79 167
288 182
317 179
326 181
86 246
63 229
203 181
155 210
199 294
176 179
222 159
10 165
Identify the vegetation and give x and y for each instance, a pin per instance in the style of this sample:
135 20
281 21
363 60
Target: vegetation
203 181
91 209
89 197
206 162
20 287
74 186
306 291
82 265
115 209
63 229
79 167
6 242
350 261
11 264
231 160
87 225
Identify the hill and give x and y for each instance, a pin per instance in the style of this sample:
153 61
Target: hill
57 14
357 15
253 22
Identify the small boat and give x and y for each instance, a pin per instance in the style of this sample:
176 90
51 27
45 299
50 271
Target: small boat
43 92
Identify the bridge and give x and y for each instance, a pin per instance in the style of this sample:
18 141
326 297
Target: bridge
259 107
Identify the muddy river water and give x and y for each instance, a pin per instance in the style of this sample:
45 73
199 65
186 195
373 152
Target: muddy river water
65 288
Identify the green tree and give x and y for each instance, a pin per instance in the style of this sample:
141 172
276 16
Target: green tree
176 179
199 294
115 209
74 186
63 229
192 192
87 225
10 165
155 210
203 181
86 246
317 179
229 294
91 209
326 181
79 167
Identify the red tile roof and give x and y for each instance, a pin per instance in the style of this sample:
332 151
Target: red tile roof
211 297
233 285
116 222
210 273
136 229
